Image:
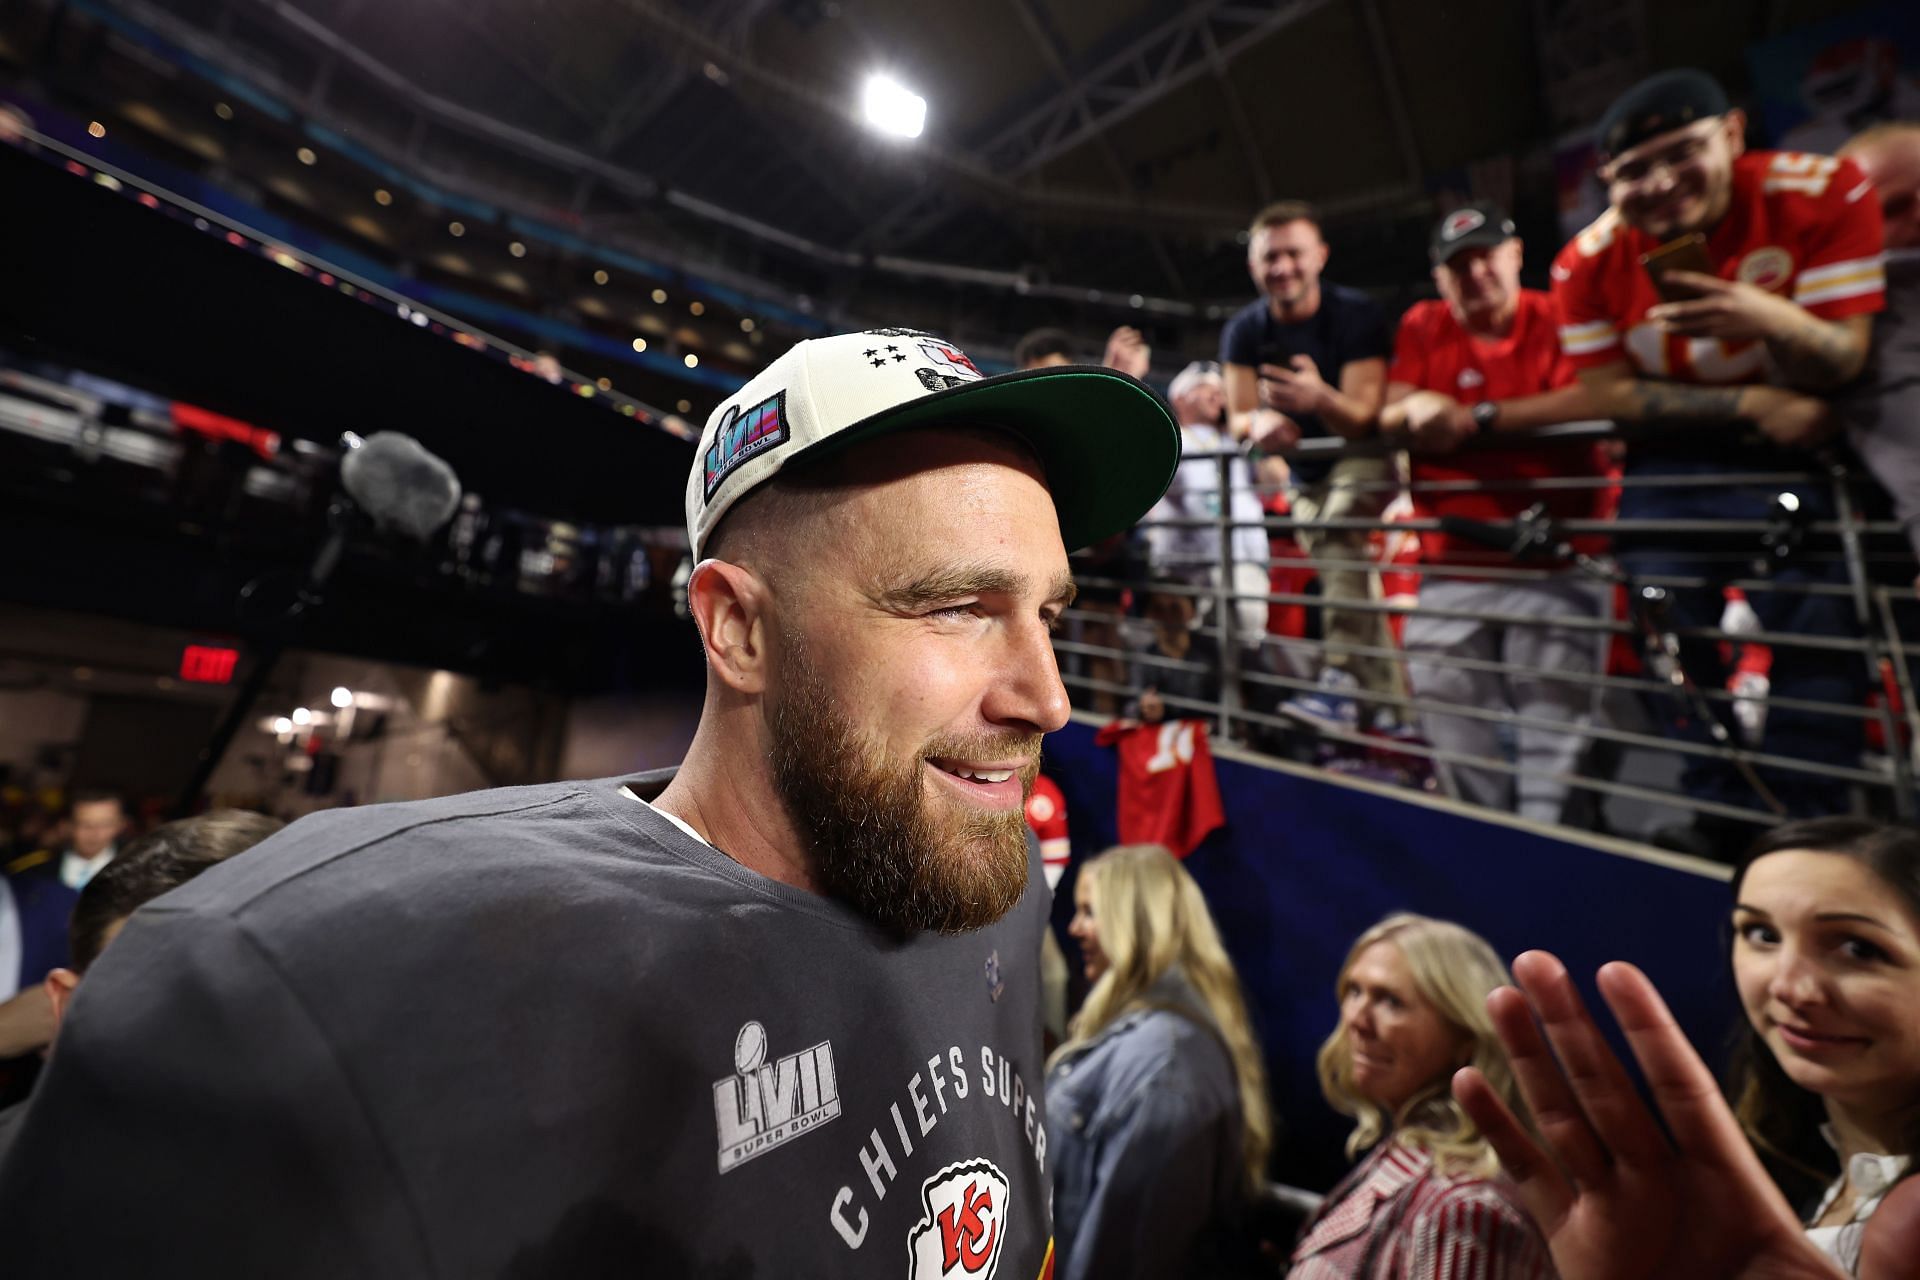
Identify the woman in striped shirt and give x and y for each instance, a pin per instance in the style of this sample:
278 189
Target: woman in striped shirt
1428 1202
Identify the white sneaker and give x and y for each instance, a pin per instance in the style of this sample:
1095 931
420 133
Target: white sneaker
1334 705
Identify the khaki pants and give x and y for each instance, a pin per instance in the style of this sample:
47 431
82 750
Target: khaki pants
1344 561
1533 654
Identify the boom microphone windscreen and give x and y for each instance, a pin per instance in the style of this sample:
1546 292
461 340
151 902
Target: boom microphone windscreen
402 487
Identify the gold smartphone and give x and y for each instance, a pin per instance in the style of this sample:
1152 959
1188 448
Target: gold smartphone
1684 253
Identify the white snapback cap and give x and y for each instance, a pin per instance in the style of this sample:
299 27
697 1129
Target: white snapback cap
1108 444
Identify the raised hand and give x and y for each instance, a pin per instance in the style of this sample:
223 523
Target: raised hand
1615 1198
1128 352
1892 1239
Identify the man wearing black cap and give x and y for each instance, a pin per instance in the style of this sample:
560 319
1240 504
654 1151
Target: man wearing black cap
1484 360
1722 292
775 1016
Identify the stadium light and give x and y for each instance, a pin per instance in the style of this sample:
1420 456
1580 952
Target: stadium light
342 697
302 716
893 108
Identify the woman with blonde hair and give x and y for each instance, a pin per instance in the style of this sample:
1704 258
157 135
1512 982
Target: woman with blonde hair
1157 1116
1428 1202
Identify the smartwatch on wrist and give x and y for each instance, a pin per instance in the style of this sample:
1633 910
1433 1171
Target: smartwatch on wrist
1485 414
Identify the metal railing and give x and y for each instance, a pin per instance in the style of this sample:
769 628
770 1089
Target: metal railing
1858 568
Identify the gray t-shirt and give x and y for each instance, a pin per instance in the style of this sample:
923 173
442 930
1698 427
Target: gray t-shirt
534 1032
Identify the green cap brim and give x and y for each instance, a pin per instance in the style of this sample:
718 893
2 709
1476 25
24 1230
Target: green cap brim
1109 445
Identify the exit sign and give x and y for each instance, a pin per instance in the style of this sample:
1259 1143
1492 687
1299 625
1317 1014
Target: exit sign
207 664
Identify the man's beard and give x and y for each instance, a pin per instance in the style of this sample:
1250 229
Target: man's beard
875 840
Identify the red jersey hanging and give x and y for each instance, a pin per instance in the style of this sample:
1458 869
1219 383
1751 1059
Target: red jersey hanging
1168 794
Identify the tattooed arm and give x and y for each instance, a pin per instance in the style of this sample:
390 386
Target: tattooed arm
1784 417
1820 355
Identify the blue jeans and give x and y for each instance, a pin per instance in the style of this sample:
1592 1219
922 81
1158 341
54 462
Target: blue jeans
1813 674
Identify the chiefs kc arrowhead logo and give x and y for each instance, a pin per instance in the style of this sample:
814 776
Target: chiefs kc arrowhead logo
963 1229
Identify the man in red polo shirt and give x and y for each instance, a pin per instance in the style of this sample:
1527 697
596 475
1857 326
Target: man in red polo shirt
1484 360
1722 369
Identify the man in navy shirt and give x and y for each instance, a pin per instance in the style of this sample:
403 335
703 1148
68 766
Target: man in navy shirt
1308 360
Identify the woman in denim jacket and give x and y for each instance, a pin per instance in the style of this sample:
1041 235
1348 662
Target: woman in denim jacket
1157 1117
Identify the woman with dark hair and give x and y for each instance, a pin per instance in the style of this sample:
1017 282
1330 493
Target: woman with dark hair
1826 957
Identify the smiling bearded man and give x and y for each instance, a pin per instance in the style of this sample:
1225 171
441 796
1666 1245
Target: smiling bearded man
879 845
776 1013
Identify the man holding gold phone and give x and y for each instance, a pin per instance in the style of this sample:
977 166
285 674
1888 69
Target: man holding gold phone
1719 297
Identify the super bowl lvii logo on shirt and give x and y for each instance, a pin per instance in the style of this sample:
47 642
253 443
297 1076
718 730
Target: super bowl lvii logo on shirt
763 1104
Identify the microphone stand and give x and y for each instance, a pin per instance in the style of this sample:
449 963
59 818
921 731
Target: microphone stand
343 517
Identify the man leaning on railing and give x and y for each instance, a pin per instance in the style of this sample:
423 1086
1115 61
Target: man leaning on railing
1723 292
1307 360
1484 360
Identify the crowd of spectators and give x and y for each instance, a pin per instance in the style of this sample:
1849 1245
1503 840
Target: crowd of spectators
1738 322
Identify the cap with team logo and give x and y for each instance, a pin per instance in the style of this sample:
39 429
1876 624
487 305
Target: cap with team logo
1108 444
1659 104
1470 226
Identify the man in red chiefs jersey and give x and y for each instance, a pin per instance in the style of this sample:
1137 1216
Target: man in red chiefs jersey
1722 374
1484 360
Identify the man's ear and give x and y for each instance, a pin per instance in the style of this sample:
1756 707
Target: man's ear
728 603
1736 121
60 984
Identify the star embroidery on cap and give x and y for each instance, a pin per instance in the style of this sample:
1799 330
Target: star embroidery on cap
880 362
896 356
868 353
890 347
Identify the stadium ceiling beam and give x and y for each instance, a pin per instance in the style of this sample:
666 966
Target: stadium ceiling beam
1152 66
1051 47
1237 114
1203 38
647 101
1061 206
1390 89
514 56
427 106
